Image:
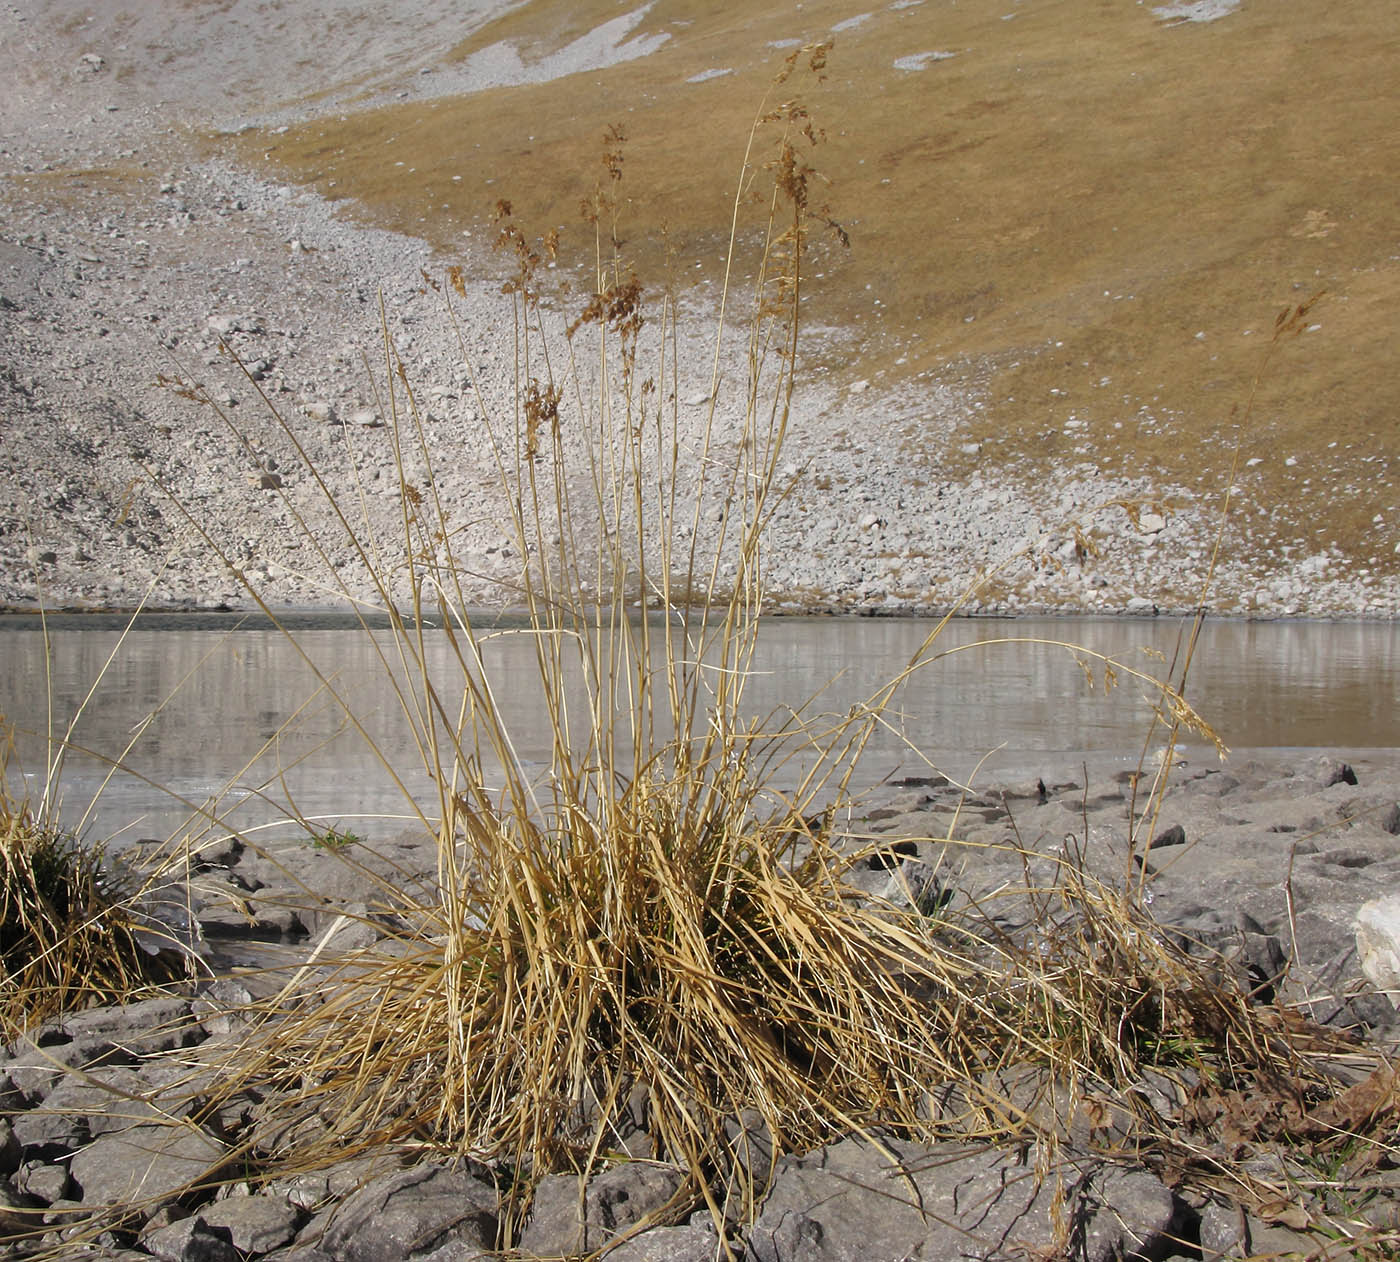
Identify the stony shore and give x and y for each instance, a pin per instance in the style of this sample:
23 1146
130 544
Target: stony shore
1266 862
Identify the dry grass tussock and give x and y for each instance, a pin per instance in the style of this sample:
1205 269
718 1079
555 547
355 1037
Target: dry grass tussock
649 930
68 936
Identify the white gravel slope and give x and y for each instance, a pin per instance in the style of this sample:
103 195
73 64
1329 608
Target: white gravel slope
108 285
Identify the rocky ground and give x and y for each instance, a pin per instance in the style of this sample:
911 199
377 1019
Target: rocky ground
132 264
1267 863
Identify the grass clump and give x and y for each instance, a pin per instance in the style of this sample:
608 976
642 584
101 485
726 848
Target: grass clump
652 946
68 938
663 906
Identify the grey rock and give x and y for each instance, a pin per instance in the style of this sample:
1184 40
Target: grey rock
849 1201
149 1025
52 1126
554 1227
1215 783
626 1194
1128 1214
1262 959
668 1244
222 1006
193 1240
376 878
83 1106
45 1181
459 1253
20 1215
1224 1232
233 911
1173 836
36 1070
315 1192
612 1202
918 884
353 930
11 1148
257 1224
147 1164
218 850
409 1214
1332 771
1377 932
244 1224
751 1141
1269 1240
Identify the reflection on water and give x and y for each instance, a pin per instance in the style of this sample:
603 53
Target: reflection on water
196 710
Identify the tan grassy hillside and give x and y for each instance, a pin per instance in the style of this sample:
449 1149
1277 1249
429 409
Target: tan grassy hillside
1093 212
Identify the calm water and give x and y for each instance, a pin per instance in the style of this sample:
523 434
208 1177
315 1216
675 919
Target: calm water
205 709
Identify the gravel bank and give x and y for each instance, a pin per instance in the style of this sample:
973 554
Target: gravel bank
125 263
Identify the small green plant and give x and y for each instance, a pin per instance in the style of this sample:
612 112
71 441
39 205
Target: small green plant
336 840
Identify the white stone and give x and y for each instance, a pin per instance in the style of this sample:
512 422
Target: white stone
1378 944
1152 523
1195 11
919 61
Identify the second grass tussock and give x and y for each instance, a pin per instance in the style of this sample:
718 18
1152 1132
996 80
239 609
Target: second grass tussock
67 936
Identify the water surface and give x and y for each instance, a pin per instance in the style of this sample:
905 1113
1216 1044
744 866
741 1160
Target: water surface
209 709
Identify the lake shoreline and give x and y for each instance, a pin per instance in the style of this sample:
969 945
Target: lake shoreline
20 616
229 708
